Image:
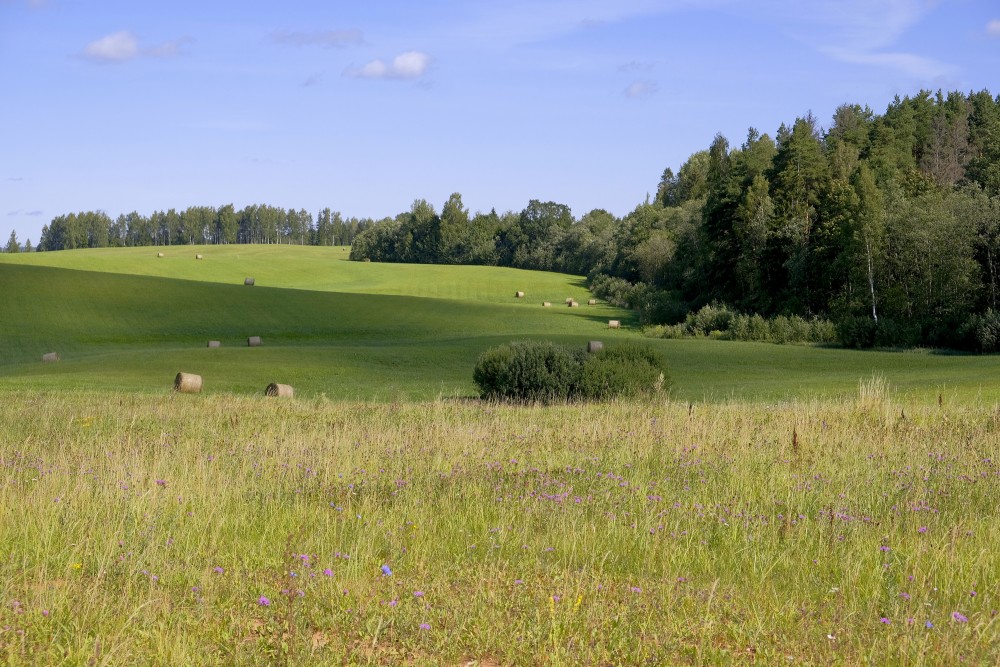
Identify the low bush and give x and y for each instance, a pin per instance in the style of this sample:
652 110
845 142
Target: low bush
545 372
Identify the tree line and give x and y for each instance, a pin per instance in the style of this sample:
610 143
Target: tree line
888 225
885 225
199 225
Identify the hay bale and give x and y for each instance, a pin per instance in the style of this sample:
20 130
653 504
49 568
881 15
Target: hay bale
279 390
592 302
573 304
519 295
187 383
594 346
50 356
546 304
248 282
159 254
569 300
199 257
614 324
214 343
253 341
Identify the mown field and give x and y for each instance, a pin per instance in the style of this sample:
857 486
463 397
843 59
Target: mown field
781 505
123 319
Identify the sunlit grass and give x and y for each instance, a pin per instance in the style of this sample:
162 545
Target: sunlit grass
144 529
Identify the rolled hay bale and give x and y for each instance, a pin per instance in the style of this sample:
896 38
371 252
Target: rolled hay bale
159 254
573 304
248 282
279 390
569 300
187 383
614 324
546 304
199 257
50 356
253 341
594 346
519 295
592 302
214 343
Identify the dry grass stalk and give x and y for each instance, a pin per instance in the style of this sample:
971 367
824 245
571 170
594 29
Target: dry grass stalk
253 341
187 383
279 390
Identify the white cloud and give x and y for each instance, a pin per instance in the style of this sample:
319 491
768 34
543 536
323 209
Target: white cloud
124 46
641 89
993 28
116 48
327 38
912 65
407 65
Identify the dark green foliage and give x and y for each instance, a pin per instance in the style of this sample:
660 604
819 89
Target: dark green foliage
528 371
546 372
625 370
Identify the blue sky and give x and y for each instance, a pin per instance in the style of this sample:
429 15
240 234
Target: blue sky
366 106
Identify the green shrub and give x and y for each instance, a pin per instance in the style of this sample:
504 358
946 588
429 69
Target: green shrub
528 371
629 369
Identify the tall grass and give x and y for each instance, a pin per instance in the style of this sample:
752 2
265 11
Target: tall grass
240 531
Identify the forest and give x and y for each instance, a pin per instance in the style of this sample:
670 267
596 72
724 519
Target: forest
885 228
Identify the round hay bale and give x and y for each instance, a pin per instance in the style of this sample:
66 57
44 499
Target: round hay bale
159 254
214 343
199 257
279 390
253 341
594 346
248 282
50 356
614 324
569 300
187 383
519 295
592 302
573 304
546 304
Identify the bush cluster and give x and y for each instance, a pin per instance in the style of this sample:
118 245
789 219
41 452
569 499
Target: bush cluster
719 321
545 372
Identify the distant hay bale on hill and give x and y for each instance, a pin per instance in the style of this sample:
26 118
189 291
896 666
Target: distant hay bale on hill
159 254
594 346
248 282
519 295
187 383
253 341
569 300
592 302
546 304
50 356
614 324
279 390
573 304
214 343
199 257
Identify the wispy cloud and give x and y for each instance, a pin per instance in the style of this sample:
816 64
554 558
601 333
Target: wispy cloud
123 46
640 89
636 66
328 39
33 214
407 65
312 80
910 64
15 179
993 28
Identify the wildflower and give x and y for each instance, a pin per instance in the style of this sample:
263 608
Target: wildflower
425 626
518 582
928 625
218 570
885 620
161 482
328 572
636 589
418 594
77 566
45 613
263 601
884 548
922 529
386 572
904 595
959 617
393 602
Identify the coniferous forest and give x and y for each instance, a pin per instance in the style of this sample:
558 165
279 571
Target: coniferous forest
878 230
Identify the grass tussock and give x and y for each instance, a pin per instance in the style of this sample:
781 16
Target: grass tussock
231 531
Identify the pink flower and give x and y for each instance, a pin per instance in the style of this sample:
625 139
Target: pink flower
263 601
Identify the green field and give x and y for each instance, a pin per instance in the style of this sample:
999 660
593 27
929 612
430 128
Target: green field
125 319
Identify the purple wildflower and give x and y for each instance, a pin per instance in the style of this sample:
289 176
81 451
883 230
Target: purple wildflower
263 601
218 570
386 572
425 626
328 572
418 594
885 620
959 617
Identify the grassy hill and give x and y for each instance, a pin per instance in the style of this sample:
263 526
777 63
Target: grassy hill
124 319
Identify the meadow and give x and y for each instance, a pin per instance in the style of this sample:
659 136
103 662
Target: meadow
780 505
